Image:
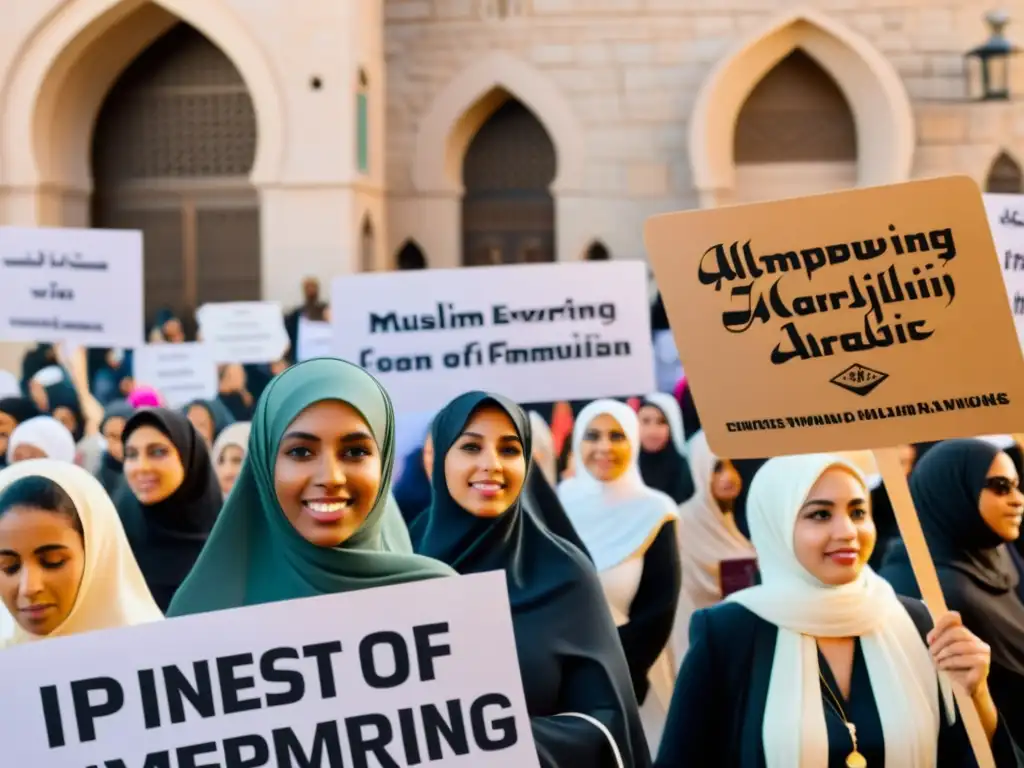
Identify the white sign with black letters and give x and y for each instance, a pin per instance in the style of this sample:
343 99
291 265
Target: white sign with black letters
533 332
1006 218
243 331
415 674
79 286
181 373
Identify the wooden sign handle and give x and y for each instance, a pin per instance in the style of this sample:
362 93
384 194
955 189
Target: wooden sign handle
888 460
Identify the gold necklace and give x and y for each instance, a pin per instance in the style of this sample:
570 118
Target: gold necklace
855 759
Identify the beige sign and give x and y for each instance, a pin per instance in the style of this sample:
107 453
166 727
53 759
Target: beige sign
850 320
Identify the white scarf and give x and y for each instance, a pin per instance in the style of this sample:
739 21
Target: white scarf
619 519
45 433
903 678
673 414
707 536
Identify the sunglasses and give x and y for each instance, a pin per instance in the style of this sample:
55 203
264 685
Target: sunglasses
1000 486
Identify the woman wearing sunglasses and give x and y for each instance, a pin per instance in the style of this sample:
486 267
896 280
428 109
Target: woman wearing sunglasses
967 495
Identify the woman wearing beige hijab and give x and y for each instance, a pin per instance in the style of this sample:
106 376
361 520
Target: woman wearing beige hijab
65 563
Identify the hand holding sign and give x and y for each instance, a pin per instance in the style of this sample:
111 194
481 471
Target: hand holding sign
853 320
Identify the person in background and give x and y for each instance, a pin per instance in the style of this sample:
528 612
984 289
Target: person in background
110 472
168 328
145 397
233 392
312 308
209 417
13 411
41 437
577 686
65 564
229 454
663 463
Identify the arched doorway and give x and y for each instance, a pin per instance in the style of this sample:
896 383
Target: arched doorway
795 134
1005 176
172 152
508 213
410 256
597 251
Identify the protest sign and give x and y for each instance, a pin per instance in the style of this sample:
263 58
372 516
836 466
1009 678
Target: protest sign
860 319
1006 219
181 373
243 331
418 674
534 332
57 285
315 339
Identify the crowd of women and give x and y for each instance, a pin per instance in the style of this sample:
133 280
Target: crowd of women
670 607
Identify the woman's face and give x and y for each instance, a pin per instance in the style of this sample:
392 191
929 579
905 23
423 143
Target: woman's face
42 558
201 420
428 455
834 534
907 454
113 429
327 473
654 430
7 425
152 465
726 482
1001 503
228 466
485 468
67 417
605 450
26 451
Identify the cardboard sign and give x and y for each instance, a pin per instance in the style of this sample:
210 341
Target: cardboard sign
1006 219
243 331
407 675
534 332
181 373
851 320
315 339
56 286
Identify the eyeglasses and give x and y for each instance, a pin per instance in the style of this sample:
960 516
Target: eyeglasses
1000 486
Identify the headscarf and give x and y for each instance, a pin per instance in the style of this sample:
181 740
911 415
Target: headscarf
168 536
711 536
619 519
254 555
976 570
667 470
544 444
112 592
236 434
111 471
45 433
19 409
220 415
64 395
903 678
9 385
393 530
145 397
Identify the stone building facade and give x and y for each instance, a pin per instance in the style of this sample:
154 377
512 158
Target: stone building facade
258 141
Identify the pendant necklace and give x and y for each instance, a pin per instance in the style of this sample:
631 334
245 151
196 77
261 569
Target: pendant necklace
855 759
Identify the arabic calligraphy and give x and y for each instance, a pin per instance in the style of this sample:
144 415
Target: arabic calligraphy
884 298
55 261
1011 217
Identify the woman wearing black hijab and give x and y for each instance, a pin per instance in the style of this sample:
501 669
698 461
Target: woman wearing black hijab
542 500
663 463
577 684
111 469
13 411
968 499
170 499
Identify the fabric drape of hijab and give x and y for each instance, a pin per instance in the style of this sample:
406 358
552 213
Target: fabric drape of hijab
254 555
540 498
393 530
168 536
711 536
220 415
903 678
946 485
111 471
63 395
18 409
618 519
113 592
667 470
545 458
45 433
236 434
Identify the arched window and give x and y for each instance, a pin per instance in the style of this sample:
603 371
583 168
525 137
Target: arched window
363 123
367 247
410 256
1005 176
597 252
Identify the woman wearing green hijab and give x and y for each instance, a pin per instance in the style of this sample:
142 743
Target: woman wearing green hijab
306 514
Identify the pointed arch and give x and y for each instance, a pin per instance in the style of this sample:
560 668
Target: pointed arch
410 256
881 107
1005 175
64 71
470 99
597 251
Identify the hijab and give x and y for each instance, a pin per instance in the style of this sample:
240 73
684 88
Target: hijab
711 536
544 444
975 567
112 592
63 395
618 519
220 415
45 433
903 678
254 555
111 471
540 498
167 536
667 470
236 434
19 409
393 530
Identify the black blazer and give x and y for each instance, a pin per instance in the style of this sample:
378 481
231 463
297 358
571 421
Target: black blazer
723 684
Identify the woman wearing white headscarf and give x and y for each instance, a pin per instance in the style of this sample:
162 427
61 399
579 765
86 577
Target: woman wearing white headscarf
712 538
59 528
41 437
823 665
629 531
229 453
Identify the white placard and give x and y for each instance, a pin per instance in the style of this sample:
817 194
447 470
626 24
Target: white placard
401 665
315 339
1006 218
243 331
181 373
532 332
57 285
